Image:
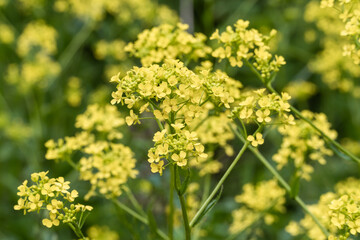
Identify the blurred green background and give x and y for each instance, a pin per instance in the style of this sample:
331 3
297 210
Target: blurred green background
41 96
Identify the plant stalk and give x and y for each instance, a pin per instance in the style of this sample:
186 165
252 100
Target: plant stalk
298 114
218 185
138 217
282 181
182 203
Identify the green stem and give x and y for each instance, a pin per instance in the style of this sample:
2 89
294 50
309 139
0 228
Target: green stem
138 217
171 204
157 120
218 185
298 114
207 182
70 51
133 200
185 217
72 163
332 141
76 43
183 204
172 183
254 70
77 231
281 181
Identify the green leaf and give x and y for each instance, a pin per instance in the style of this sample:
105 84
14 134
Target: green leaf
294 185
210 206
185 183
83 219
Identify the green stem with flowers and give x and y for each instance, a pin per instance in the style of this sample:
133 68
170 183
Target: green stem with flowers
267 83
172 183
207 202
282 181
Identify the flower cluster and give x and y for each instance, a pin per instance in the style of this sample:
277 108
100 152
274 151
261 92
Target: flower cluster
114 49
107 165
102 119
349 15
307 226
338 212
345 212
52 194
261 201
39 37
175 87
257 140
36 45
74 92
261 107
177 148
352 145
300 90
301 141
180 98
101 233
14 129
241 44
168 42
95 10
338 71
213 131
6 34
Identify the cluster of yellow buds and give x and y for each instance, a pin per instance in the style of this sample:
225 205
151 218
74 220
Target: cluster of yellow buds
52 194
224 89
102 119
108 167
337 71
177 148
337 211
345 213
95 10
258 106
74 91
7 34
176 88
37 36
261 201
214 129
97 232
243 44
168 42
113 49
301 141
349 15
36 46
106 164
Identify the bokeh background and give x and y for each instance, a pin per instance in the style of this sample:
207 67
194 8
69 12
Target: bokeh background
57 56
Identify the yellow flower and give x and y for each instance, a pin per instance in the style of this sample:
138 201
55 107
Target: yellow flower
257 140
34 202
52 193
159 136
157 167
263 116
180 158
133 118
52 221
